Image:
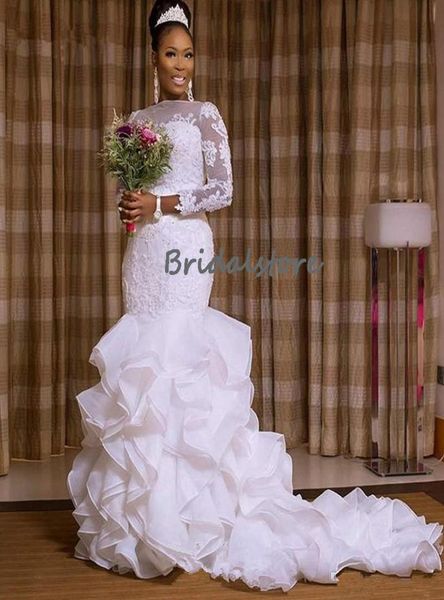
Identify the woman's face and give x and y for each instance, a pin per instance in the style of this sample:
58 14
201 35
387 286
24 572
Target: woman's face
175 64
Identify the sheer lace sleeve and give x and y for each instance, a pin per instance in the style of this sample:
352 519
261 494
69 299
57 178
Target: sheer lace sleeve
218 191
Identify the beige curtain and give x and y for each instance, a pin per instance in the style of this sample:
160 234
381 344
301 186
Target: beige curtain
330 105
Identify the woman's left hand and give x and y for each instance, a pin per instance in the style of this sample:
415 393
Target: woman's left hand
137 206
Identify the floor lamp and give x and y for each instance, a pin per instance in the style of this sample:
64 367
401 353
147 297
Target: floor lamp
398 225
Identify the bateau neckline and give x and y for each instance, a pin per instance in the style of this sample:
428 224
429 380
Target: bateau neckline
175 101
169 100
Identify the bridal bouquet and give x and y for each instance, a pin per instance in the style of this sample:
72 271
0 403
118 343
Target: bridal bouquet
138 153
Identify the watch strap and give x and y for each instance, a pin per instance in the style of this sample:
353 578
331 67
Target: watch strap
158 212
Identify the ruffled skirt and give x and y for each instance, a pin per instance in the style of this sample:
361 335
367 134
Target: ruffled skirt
174 471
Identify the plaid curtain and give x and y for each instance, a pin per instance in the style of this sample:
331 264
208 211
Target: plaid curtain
330 105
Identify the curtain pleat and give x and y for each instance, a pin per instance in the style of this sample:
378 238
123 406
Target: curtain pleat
329 104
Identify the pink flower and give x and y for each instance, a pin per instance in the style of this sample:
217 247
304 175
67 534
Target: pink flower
148 137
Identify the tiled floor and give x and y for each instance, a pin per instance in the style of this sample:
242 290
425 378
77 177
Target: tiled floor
46 480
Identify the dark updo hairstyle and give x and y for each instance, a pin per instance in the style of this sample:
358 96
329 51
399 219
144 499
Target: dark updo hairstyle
159 7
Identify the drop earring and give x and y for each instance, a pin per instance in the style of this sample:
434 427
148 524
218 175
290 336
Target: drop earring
156 86
190 91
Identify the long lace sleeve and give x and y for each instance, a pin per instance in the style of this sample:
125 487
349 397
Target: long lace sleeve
218 191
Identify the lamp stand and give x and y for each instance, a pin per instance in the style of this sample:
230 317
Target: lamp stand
398 463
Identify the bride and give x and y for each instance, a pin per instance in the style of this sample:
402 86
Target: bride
173 470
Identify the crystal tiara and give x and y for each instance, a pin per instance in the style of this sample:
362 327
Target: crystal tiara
173 14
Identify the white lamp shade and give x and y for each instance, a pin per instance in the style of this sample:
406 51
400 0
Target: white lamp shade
393 224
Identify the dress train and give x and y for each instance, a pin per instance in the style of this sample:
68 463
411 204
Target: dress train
173 470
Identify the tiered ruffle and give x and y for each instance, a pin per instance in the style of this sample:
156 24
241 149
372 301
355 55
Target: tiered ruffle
173 470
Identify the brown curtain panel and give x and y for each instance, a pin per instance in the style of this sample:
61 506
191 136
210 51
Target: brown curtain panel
330 105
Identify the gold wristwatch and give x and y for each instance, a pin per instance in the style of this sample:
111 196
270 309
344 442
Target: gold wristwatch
158 212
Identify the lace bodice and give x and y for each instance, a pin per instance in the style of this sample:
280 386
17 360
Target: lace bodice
201 176
201 172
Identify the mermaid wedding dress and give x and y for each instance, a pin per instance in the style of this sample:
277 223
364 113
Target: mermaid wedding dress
173 470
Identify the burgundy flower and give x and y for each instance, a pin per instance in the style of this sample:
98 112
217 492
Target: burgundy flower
124 130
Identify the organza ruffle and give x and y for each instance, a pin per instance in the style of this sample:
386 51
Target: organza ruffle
173 470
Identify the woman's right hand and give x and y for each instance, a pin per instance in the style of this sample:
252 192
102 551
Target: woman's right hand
123 213
136 206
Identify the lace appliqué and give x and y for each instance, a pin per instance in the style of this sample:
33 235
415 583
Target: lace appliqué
147 288
209 150
186 162
209 110
190 118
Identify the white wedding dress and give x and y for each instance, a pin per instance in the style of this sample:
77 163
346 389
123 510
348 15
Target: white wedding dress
173 469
